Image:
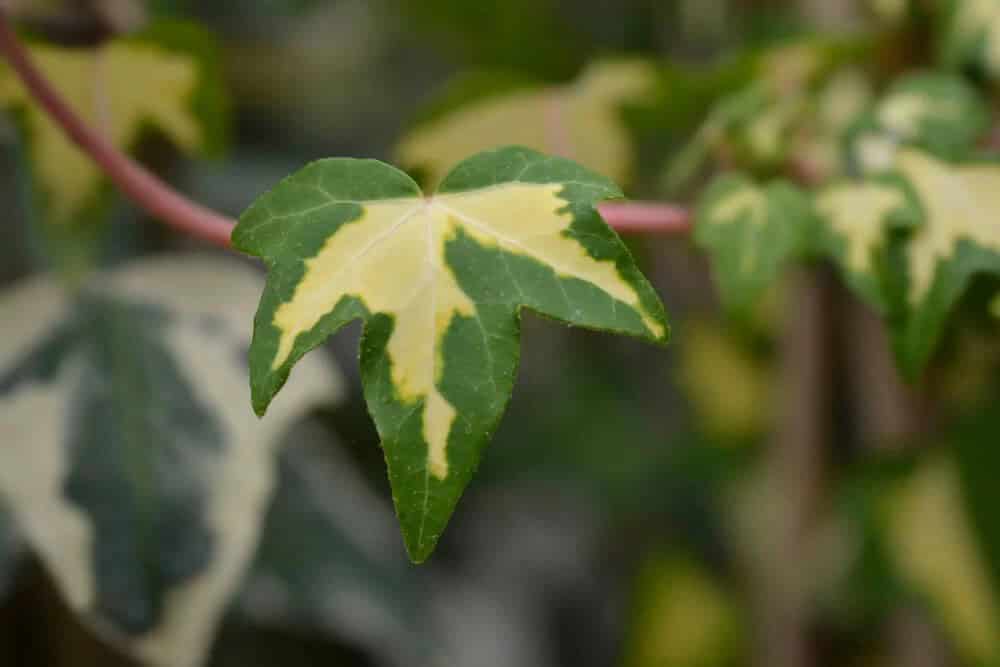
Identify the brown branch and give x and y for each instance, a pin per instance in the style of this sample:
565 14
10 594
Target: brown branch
169 206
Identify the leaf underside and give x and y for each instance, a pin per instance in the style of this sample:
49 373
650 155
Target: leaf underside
439 282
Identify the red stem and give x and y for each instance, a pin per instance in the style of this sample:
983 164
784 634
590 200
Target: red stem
166 204
646 217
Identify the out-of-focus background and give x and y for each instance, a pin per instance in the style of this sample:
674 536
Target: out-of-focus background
761 493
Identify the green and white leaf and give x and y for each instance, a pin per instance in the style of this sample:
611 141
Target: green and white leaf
939 113
131 469
857 220
751 233
956 240
580 120
164 78
439 282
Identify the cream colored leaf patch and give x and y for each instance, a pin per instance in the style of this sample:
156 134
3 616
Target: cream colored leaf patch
957 239
580 120
857 219
439 281
119 89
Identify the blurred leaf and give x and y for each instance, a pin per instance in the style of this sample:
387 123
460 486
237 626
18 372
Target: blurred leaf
971 34
856 220
323 563
165 78
931 541
729 389
781 111
682 618
837 104
581 120
143 483
956 240
12 552
533 36
507 229
752 233
939 113
890 11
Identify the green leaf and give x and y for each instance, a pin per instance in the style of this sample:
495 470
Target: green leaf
133 468
581 120
940 113
440 282
752 233
957 239
166 78
856 223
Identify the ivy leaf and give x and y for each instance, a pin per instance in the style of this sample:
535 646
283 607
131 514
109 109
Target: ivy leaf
145 489
440 282
957 239
580 120
940 113
751 233
972 34
856 222
165 78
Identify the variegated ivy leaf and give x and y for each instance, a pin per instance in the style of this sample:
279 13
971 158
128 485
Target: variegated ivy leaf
163 78
957 239
940 113
440 282
972 34
751 233
581 120
131 469
856 222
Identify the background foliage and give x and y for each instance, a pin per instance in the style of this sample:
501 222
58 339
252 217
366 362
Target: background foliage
636 506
